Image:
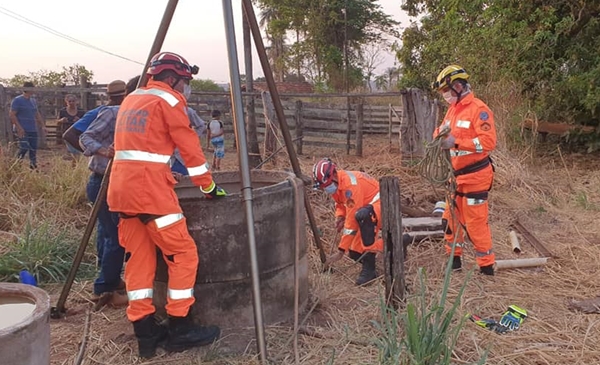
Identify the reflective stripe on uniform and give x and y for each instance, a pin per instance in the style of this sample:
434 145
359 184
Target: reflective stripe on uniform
169 98
463 124
475 201
352 178
198 170
478 146
180 293
139 294
375 198
133 155
456 153
482 254
348 232
168 219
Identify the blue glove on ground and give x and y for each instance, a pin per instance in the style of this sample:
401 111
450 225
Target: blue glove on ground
513 318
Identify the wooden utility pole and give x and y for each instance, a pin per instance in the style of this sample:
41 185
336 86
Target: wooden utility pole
393 248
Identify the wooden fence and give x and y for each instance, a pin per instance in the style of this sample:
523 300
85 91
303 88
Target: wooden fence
313 119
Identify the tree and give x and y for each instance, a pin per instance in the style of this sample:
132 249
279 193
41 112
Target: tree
325 29
204 85
550 48
46 78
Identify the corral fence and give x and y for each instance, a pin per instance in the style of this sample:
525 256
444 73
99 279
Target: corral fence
338 121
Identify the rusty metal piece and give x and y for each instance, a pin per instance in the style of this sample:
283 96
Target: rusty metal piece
540 248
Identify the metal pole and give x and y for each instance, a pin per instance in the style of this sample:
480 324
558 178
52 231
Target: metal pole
238 115
285 130
161 34
59 310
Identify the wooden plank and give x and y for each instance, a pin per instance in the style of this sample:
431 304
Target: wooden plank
421 235
556 128
423 223
321 143
540 248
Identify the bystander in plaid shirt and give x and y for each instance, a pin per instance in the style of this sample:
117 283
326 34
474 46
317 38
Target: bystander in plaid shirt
101 133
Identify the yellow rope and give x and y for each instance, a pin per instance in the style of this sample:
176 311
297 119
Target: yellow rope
436 166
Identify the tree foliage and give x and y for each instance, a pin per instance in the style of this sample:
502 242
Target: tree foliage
204 85
551 48
324 31
70 75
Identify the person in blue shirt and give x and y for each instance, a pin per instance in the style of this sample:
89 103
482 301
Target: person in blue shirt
26 118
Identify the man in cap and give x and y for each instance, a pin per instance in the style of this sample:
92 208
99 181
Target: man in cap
97 143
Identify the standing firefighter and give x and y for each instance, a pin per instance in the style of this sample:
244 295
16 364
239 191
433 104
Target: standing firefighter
357 208
151 123
471 138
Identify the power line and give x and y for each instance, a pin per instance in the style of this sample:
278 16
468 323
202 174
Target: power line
23 19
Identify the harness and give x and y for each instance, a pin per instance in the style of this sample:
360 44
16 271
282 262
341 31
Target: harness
476 166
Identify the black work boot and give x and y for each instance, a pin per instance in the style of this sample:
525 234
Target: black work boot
185 334
149 333
368 269
487 270
456 263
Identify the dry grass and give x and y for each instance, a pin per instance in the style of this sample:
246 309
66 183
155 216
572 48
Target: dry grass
556 198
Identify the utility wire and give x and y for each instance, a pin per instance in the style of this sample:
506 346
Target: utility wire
23 19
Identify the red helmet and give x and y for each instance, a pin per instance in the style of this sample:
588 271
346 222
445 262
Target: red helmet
171 61
323 172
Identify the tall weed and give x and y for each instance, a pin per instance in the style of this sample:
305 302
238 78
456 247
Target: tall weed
431 328
46 254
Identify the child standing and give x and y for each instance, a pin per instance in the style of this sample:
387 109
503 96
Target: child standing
216 137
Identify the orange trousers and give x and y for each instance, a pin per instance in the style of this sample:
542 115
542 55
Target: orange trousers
170 234
470 211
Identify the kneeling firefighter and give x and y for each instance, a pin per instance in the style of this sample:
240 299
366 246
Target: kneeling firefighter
151 123
357 212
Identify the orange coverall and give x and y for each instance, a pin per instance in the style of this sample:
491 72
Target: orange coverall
151 123
355 190
472 124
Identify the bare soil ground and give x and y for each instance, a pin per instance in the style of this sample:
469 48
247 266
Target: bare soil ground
557 197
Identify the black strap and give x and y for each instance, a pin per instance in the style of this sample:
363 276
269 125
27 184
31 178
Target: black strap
483 195
474 167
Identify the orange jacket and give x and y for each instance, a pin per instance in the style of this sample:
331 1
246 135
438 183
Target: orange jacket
355 190
151 123
472 124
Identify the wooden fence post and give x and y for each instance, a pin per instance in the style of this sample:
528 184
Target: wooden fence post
5 124
299 127
83 82
418 124
359 128
393 249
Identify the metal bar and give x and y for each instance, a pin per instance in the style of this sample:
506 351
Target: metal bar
540 248
57 311
285 130
240 132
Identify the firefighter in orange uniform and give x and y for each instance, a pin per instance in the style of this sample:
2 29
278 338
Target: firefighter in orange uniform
357 208
471 138
151 123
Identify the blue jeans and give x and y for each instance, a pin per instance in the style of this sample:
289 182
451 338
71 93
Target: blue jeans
110 253
29 143
179 167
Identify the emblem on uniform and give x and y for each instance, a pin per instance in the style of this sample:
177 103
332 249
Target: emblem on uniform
348 194
484 116
350 203
486 127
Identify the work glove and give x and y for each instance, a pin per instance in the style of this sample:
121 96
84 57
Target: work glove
511 319
483 322
339 223
448 142
214 191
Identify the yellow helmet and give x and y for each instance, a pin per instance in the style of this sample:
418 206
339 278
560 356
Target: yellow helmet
448 76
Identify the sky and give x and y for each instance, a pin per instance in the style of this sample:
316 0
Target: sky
125 28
